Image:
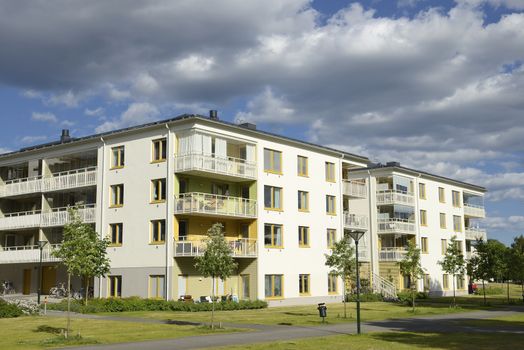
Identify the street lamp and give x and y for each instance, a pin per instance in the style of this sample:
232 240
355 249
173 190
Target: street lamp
41 245
357 235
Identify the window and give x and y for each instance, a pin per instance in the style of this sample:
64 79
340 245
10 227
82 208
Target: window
422 190
158 190
458 245
272 236
273 286
303 284
114 286
423 218
443 246
158 231
460 282
273 197
330 172
331 237
303 237
115 232
457 223
156 286
159 150
424 244
117 157
272 161
330 205
443 220
117 195
303 201
302 166
426 281
332 283
455 197
445 281
441 195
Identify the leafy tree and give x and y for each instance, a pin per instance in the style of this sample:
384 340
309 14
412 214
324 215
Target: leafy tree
83 253
517 261
217 261
411 266
479 267
453 263
342 263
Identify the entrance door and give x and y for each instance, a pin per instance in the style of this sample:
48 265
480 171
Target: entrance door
244 287
48 278
182 285
27 282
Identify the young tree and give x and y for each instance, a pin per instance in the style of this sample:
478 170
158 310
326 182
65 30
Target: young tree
342 263
411 266
216 262
479 265
453 263
83 253
517 261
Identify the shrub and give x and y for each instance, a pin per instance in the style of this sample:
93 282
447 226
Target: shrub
405 297
365 297
490 290
8 310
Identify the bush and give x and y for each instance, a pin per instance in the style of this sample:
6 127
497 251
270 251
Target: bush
490 290
365 297
139 304
405 297
8 310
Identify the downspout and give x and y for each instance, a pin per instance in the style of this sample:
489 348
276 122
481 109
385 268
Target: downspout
371 232
169 222
342 212
102 196
418 239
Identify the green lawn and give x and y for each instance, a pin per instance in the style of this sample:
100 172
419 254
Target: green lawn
499 298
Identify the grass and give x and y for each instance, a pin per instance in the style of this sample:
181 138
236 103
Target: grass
498 299
516 320
38 332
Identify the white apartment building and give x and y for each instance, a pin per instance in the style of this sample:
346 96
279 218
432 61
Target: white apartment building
155 189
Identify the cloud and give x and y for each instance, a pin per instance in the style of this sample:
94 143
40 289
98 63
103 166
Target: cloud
266 107
136 113
514 223
67 123
97 112
44 117
33 139
4 150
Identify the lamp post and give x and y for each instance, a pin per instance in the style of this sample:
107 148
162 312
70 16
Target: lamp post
357 235
41 245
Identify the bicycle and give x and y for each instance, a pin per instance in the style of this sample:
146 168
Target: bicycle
7 287
58 291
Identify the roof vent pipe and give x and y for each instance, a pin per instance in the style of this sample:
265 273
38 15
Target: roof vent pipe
213 114
65 136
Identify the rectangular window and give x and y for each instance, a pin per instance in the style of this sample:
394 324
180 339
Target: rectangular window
460 282
303 284
457 223
159 150
158 231
302 166
422 190
423 217
332 283
158 190
445 281
424 244
443 220
273 197
303 237
114 286
330 172
443 246
115 233
273 236
458 245
273 286
330 205
117 195
426 282
156 286
272 161
303 201
441 195
455 196
117 157
331 237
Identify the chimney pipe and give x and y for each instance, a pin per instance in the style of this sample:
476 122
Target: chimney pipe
213 114
65 135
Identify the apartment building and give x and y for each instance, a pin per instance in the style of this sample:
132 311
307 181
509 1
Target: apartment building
155 190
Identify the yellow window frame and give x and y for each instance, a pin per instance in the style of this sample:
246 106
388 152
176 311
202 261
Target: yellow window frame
120 157
422 190
158 185
332 284
158 225
273 189
114 281
331 209
423 217
443 246
331 237
303 237
273 296
156 279
161 145
442 195
424 245
273 235
442 219
271 153
304 287
455 198
115 231
303 198
457 228
302 164
116 194
330 172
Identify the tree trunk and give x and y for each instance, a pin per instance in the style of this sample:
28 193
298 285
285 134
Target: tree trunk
68 305
454 299
213 303
484 291
86 291
344 295
413 299
507 284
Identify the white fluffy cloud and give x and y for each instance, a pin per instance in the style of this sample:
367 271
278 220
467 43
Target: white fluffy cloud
30 140
136 113
44 117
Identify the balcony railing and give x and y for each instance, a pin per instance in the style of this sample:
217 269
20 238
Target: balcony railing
392 254
473 210
240 248
355 222
212 204
363 253
26 254
474 233
396 226
395 197
23 219
58 181
37 218
355 189
209 163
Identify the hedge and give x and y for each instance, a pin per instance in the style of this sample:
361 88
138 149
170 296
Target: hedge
365 297
8 310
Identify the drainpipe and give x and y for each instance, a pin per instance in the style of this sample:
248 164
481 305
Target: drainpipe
418 239
169 216
372 223
101 204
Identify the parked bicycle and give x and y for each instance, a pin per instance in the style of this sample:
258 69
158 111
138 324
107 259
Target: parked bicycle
58 291
7 287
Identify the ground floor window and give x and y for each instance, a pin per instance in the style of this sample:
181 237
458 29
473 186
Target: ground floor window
460 282
427 282
156 286
332 283
445 281
273 286
115 286
245 286
303 284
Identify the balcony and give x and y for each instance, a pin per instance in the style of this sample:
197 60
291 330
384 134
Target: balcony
475 211
215 205
59 181
241 248
393 225
355 222
356 189
363 253
20 220
27 254
37 218
389 197
474 233
229 168
392 254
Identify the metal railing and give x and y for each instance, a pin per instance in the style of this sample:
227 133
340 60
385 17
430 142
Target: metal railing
240 248
355 188
21 186
474 210
354 221
384 287
27 253
363 253
212 204
210 163
392 254
38 218
474 233
395 197
23 219
396 226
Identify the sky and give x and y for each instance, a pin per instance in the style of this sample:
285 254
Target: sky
436 85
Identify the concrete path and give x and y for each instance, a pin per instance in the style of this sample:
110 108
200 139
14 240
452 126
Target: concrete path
434 323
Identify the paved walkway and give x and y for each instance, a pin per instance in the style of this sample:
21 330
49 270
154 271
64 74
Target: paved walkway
267 333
